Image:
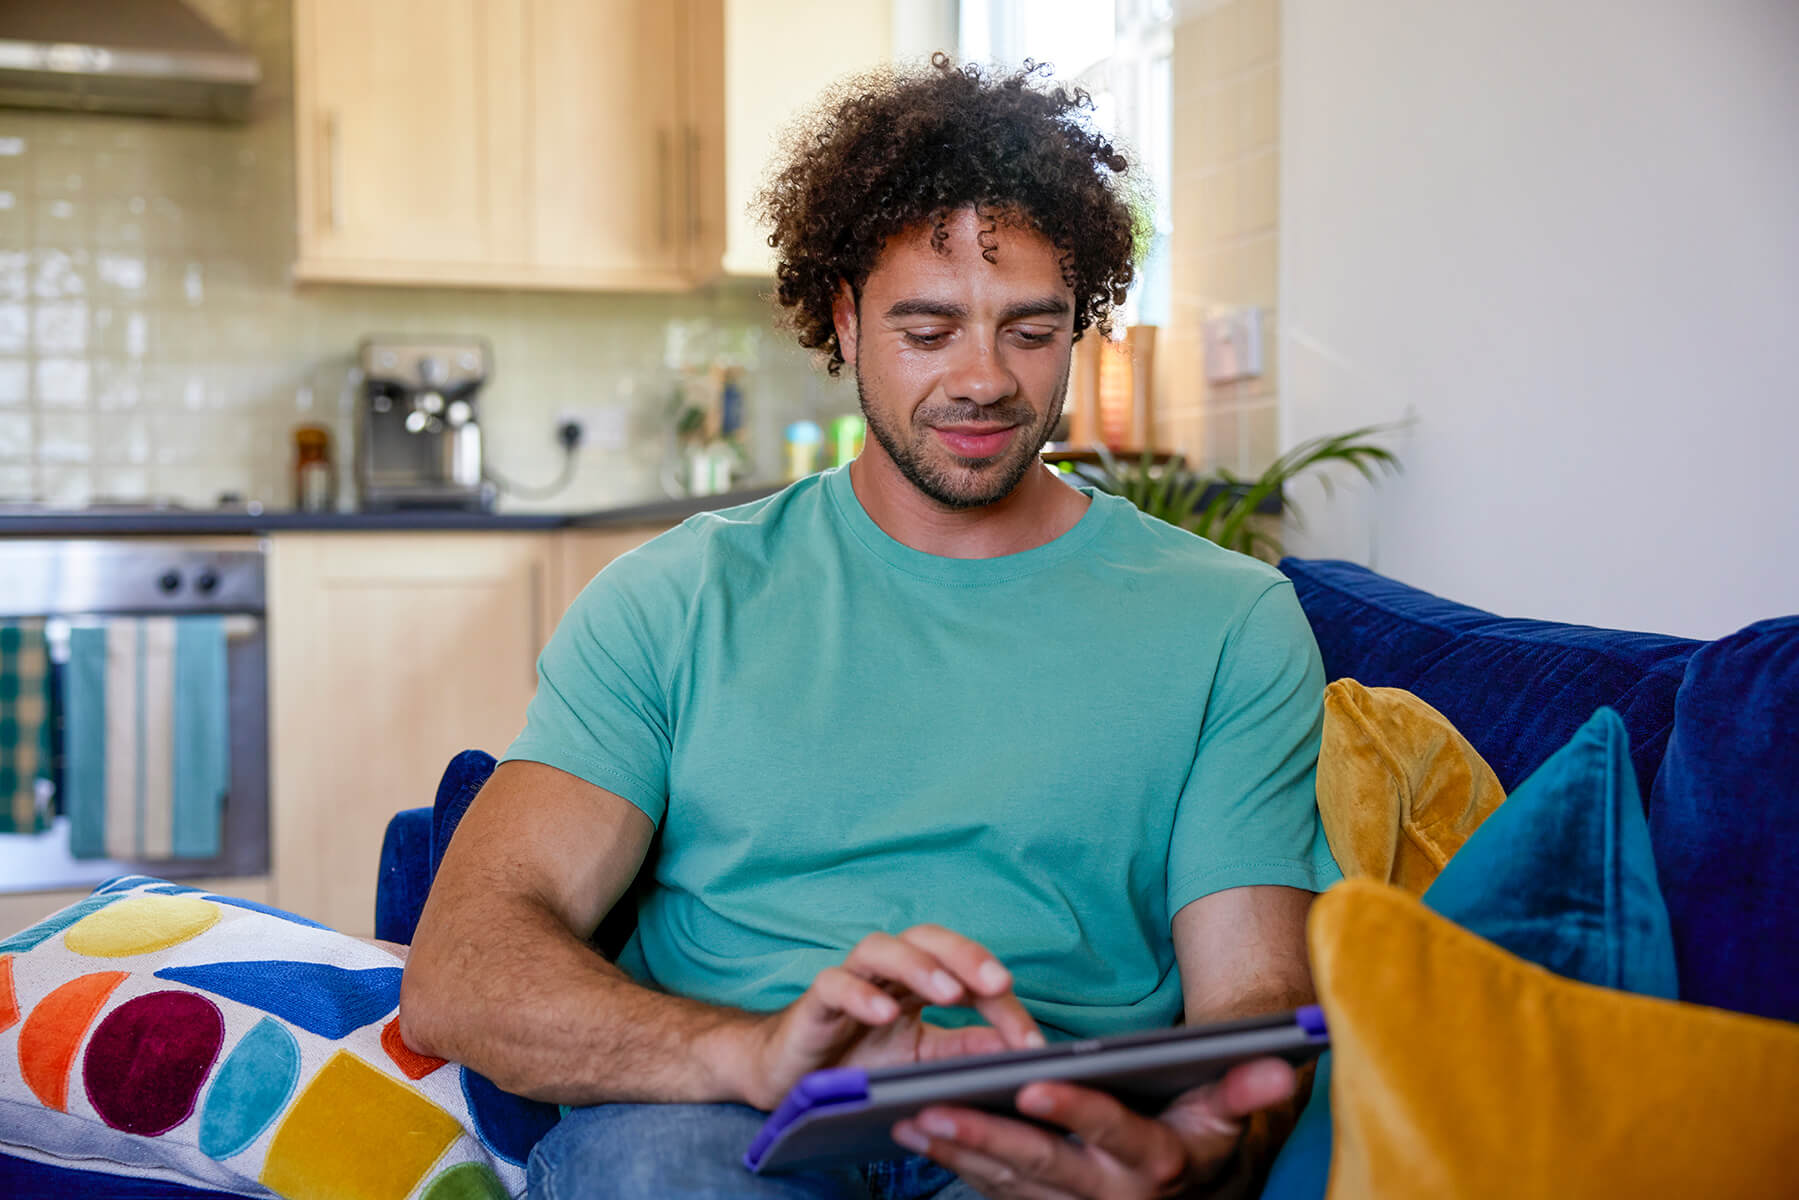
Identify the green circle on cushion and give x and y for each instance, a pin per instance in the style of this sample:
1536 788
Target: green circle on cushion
250 1090
466 1181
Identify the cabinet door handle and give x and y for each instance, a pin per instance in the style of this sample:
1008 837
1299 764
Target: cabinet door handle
663 200
333 207
693 186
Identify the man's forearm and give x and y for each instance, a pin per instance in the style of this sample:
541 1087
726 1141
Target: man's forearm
520 999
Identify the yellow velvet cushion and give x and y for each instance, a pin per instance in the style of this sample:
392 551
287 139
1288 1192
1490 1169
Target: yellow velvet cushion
1399 789
1464 1071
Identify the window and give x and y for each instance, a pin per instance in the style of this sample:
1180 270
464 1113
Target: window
1119 51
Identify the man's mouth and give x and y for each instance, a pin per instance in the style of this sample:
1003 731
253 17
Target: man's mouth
975 441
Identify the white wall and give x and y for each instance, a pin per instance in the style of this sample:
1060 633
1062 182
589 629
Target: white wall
1564 235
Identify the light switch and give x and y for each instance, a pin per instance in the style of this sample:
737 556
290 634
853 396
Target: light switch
1233 345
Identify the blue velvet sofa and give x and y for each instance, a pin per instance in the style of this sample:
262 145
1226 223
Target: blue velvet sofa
1714 731
1714 728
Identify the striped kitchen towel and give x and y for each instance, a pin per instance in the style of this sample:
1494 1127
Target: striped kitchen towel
148 738
24 727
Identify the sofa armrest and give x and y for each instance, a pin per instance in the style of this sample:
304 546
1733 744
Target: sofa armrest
405 875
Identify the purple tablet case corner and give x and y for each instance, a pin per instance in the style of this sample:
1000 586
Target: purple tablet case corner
834 1086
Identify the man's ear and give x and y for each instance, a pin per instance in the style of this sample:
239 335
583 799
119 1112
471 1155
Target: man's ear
848 322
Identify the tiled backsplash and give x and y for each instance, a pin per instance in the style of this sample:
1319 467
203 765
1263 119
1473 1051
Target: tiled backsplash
153 345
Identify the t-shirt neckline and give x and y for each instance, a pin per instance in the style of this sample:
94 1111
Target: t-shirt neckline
938 568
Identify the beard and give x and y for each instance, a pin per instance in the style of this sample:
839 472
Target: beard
946 477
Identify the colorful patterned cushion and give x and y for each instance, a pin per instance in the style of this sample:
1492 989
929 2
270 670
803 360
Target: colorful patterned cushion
167 1033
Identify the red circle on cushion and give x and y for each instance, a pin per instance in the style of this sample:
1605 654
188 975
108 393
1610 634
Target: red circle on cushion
146 1062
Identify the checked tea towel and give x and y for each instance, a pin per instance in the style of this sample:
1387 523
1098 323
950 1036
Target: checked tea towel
24 727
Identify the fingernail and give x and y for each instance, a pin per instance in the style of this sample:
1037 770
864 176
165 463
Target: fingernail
910 1138
937 1125
1035 1103
1035 1040
885 1008
944 985
993 977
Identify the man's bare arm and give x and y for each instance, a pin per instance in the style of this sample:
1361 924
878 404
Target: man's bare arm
1242 952
501 978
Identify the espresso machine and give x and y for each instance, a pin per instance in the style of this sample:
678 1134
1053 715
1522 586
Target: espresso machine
419 443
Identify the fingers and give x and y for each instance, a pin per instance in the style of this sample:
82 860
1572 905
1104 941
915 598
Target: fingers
1256 1085
840 992
941 967
1210 1119
885 958
989 984
1003 1158
1144 1147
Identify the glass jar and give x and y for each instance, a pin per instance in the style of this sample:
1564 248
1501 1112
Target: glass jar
315 479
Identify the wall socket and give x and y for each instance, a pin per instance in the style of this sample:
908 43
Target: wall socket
1233 339
605 427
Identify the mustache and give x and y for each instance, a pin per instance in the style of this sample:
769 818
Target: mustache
975 414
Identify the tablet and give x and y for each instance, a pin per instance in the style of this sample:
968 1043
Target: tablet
843 1114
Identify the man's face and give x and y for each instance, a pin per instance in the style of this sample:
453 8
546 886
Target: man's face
961 363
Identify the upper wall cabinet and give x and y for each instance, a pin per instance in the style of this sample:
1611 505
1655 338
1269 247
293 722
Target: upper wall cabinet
780 56
510 143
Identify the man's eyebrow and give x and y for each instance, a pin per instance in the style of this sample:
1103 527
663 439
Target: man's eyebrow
1046 306
921 307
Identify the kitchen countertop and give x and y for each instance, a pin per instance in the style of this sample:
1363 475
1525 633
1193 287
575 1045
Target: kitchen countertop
213 523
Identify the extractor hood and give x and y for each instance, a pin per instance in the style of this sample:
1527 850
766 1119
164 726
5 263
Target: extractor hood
153 57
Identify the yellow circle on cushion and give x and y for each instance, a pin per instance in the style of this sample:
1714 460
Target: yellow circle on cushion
140 925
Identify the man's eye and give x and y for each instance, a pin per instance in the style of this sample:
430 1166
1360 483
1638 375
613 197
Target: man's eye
1031 337
926 340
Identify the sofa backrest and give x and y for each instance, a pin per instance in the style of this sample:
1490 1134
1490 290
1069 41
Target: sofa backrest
1714 732
1517 689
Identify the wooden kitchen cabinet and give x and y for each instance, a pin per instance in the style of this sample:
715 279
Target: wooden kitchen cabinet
780 56
511 143
388 653
582 553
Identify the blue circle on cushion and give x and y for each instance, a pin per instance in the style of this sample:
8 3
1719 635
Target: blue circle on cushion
250 1089
507 1125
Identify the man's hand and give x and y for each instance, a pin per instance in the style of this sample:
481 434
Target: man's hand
866 1012
1119 1154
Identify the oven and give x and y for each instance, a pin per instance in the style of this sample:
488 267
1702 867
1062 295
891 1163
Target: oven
65 594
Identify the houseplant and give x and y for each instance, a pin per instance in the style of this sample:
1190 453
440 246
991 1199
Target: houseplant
1222 506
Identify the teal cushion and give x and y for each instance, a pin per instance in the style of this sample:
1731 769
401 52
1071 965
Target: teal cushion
1562 875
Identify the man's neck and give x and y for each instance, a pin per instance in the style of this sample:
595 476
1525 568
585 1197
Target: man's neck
1039 510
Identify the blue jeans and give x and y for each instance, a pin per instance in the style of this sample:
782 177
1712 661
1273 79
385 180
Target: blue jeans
695 1152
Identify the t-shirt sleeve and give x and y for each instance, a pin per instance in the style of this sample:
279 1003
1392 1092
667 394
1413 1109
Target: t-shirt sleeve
601 709
1249 812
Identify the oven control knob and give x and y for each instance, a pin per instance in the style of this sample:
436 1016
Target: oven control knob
206 582
169 581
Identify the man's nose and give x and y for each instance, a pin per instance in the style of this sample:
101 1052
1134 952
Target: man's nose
979 376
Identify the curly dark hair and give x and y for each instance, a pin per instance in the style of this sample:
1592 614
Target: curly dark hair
899 147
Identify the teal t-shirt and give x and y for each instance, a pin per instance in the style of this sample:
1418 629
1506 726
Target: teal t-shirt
1049 752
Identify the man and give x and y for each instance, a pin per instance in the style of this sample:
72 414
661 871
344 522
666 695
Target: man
943 753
